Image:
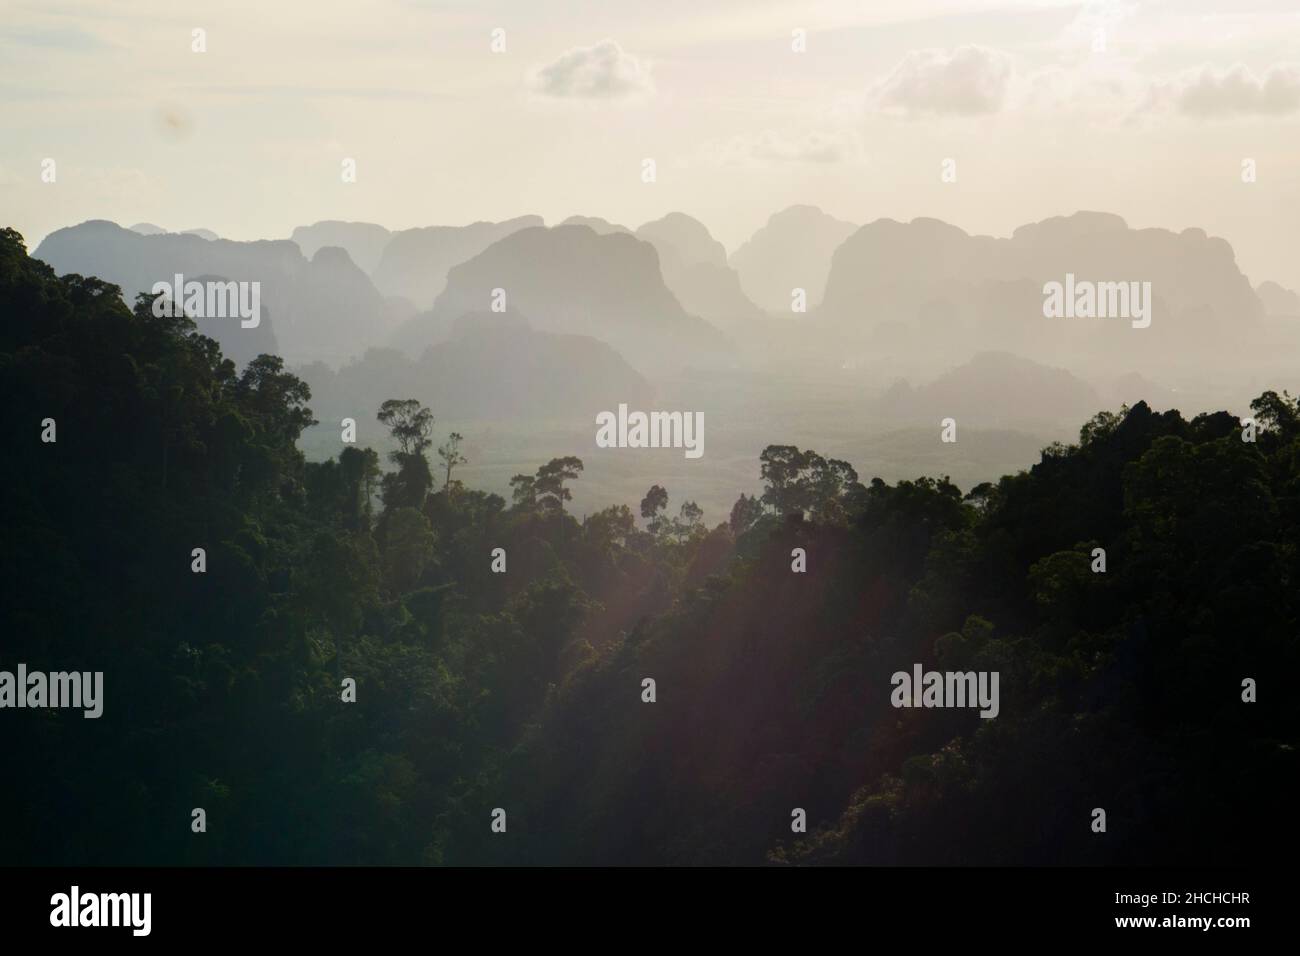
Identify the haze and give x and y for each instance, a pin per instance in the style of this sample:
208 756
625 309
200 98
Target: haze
247 138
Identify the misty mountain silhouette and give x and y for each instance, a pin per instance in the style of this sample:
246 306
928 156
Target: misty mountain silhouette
152 229
682 241
694 267
596 224
415 262
792 251
364 241
571 280
238 344
492 366
1277 300
925 291
933 274
325 308
991 389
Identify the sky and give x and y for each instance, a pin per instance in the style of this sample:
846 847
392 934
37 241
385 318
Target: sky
485 109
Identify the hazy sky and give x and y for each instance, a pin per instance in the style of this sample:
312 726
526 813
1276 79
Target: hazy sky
248 137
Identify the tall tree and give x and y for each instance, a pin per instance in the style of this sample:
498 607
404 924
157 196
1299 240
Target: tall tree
451 456
551 493
409 422
654 502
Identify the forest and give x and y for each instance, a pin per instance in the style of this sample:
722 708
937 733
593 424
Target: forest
498 648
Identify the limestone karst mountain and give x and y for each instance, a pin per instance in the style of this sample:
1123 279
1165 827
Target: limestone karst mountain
793 250
238 343
572 280
153 229
694 267
929 281
925 294
491 366
325 307
415 262
991 389
596 224
364 241
1277 300
682 241
714 293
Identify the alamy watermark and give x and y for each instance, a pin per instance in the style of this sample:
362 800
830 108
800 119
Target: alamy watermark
1098 300
75 908
946 689
37 689
651 430
209 300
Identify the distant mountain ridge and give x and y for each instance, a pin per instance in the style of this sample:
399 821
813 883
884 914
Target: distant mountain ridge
667 294
573 280
694 267
325 308
364 241
415 262
991 389
930 274
792 250
491 366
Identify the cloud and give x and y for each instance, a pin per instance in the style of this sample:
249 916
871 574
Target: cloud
772 148
969 81
1233 92
600 72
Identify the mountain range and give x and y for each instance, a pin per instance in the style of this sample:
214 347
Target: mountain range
667 296
324 308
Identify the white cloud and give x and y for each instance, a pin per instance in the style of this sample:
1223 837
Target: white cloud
968 81
601 72
1233 92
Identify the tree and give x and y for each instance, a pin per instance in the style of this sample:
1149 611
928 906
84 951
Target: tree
278 398
360 470
610 528
780 469
655 501
689 519
549 485
801 482
451 456
1277 412
410 424
408 548
409 485
523 491
744 513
